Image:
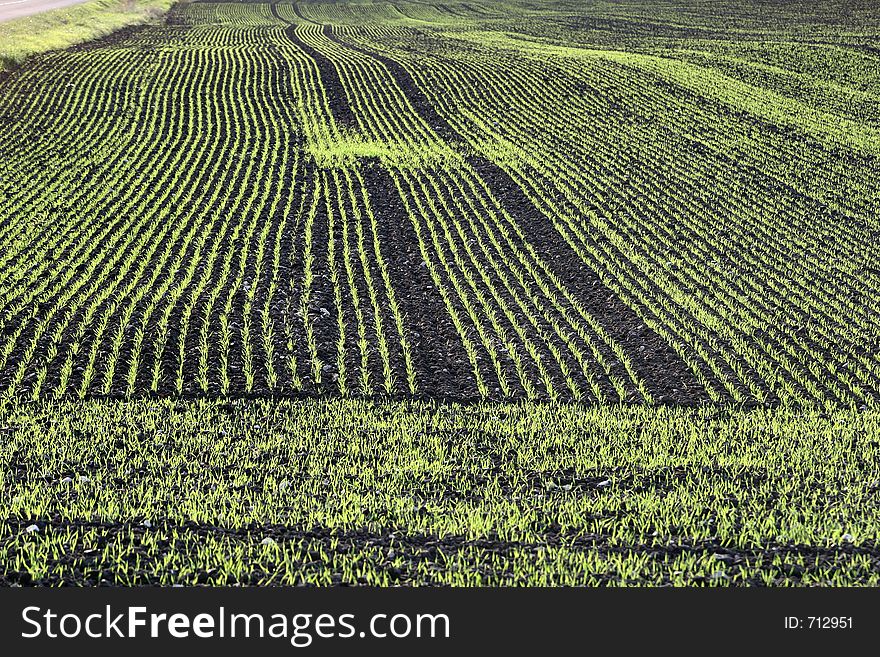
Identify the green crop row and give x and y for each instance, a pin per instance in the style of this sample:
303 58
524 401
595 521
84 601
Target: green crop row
198 207
766 292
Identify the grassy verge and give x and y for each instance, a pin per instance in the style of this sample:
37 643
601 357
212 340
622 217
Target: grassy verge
354 492
61 28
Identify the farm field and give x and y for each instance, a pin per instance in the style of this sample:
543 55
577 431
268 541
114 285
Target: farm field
589 283
354 492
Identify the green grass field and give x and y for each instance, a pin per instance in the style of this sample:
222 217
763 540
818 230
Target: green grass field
491 292
356 492
61 28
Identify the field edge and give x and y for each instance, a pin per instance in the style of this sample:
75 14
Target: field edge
62 28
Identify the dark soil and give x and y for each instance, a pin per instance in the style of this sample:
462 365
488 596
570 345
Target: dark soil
419 101
667 377
442 366
330 81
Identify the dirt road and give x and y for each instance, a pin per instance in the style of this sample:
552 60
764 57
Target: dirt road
10 9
